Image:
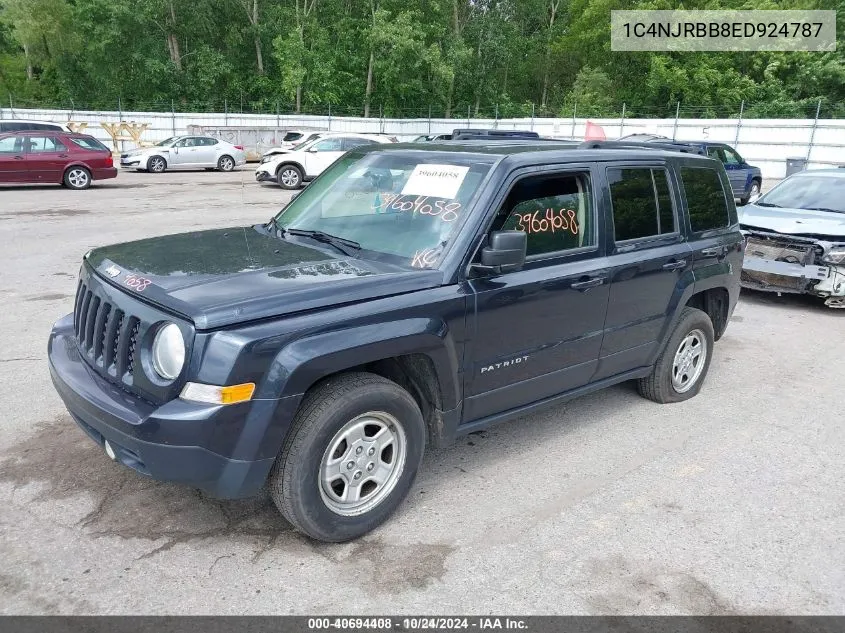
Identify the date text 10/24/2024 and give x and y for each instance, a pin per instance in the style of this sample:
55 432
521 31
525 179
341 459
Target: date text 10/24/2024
420 623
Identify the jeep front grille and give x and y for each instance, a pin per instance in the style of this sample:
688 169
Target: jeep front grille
107 337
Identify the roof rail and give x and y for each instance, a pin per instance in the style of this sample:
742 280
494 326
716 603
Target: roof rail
672 146
463 133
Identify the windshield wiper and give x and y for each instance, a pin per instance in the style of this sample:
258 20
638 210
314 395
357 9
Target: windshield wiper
825 209
768 204
340 243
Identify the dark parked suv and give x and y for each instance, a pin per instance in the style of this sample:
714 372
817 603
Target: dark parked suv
409 296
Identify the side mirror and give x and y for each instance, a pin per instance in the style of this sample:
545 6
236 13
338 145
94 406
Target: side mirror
505 253
312 150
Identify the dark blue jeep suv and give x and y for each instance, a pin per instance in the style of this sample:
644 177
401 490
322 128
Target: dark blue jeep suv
410 295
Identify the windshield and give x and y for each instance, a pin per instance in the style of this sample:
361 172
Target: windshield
167 141
402 207
825 193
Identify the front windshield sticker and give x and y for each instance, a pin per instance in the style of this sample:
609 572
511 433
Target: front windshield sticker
439 181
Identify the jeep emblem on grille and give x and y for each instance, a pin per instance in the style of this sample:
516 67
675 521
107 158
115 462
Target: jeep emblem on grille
112 271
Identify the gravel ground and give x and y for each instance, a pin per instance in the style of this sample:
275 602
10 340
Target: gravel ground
729 503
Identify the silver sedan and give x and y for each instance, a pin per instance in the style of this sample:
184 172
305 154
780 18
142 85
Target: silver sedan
185 152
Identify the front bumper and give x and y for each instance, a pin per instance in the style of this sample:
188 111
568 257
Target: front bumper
264 176
148 438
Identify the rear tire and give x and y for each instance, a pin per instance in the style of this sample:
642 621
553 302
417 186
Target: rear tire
350 457
77 178
225 163
289 177
682 366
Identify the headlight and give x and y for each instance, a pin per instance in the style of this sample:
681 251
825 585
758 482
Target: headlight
169 352
266 159
835 255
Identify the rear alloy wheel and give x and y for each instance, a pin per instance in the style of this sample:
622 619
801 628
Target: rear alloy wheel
157 165
289 177
350 458
226 163
77 178
681 367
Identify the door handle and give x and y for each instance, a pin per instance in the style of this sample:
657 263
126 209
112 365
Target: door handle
675 265
716 251
18 157
62 155
587 284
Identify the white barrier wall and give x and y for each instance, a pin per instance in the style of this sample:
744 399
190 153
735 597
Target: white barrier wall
766 143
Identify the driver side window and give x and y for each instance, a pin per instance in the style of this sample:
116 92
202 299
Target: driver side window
731 157
555 210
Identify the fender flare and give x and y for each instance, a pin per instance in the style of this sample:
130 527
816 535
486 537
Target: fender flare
306 361
289 162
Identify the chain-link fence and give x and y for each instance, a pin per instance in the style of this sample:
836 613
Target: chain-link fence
800 109
765 142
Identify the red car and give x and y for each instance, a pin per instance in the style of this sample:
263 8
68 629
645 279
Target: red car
73 160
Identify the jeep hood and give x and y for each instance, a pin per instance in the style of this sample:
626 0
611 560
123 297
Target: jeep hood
225 276
827 225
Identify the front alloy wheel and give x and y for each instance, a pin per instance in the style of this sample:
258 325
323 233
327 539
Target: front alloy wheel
290 177
350 458
157 164
362 463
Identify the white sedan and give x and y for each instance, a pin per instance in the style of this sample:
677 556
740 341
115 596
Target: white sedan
292 168
185 152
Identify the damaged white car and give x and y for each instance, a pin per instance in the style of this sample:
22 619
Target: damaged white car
795 237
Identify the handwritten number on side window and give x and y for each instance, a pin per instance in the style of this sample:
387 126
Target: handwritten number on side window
551 222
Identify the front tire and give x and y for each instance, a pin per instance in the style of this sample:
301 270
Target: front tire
77 178
350 458
289 177
157 165
682 365
226 163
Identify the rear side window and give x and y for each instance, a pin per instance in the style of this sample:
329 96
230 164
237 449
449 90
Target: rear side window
642 204
706 201
208 141
42 144
555 211
88 142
